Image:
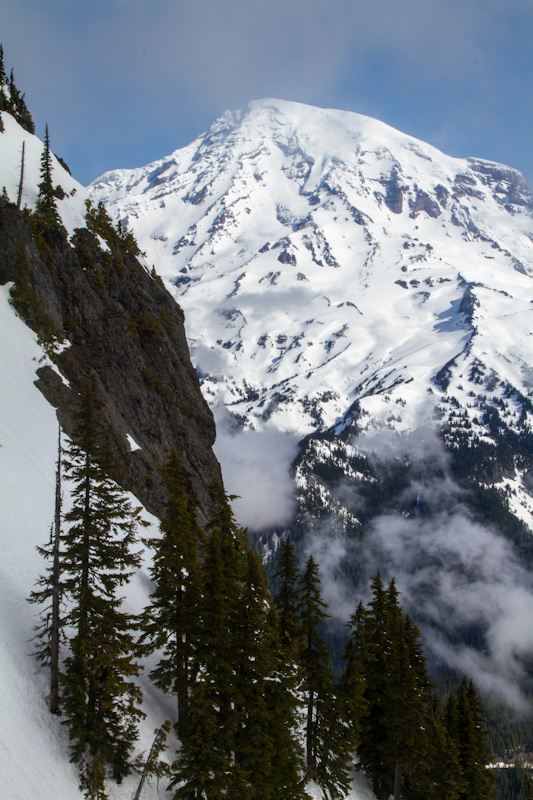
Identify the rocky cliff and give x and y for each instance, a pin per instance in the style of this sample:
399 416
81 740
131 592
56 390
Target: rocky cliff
100 313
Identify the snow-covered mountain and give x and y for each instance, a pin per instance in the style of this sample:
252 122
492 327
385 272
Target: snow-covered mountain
354 288
324 258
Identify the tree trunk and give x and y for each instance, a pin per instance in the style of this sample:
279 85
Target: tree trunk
56 591
310 736
156 747
21 181
182 692
397 781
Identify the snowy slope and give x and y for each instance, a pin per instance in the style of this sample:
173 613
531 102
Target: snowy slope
34 759
71 207
324 258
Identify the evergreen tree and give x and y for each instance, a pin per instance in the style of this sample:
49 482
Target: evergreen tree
326 744
21 178
437 775
46 204
2 67
465 725
239 740
266 751
352 684
154 765
287 598
526 792
373 633
16 105
170 621
49 633
3 96
392 742
205 766
408 696
100 699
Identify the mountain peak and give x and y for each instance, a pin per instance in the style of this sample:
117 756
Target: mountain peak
322 257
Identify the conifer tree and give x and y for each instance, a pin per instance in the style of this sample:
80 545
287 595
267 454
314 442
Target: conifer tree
205 768
2 67
170 621
239 740
352 684
154 765
287 597
466 727
266 750
46 203
526 792
16 105
437 775
373 633
49 633
100 699
396 692
327 746
21 178
3 97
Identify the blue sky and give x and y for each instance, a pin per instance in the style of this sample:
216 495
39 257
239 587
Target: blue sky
124 82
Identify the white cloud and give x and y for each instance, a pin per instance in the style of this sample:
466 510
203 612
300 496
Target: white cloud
454 573
256 467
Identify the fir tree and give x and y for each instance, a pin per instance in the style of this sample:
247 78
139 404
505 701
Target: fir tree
266 751
170 621
206 767
326 743
372 632
46 204
526 792
154 765
100 699
437 775
2 67
396 692
49 633
21 178
239 740
287 577
352 684
466 727
16 105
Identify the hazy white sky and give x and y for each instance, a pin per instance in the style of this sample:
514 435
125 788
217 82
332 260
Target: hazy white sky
123 82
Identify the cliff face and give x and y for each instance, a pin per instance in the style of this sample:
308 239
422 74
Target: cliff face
123 329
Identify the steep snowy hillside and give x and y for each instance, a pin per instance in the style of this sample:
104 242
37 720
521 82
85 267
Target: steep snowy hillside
34 753
15 142
326 258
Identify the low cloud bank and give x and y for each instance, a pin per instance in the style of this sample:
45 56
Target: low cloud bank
460 576
461 580
256 467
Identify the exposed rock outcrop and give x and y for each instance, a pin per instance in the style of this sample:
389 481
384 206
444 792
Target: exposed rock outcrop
125 331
